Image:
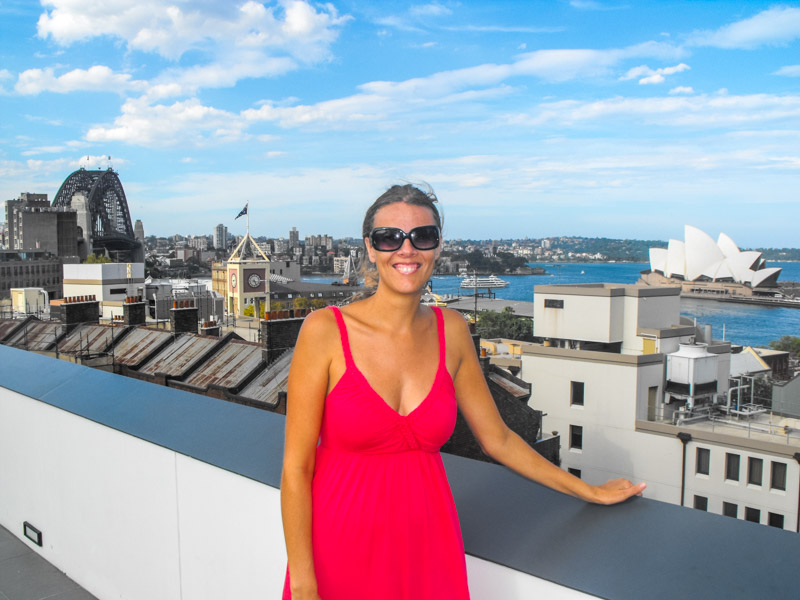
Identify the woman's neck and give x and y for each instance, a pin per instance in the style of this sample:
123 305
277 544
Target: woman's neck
394 311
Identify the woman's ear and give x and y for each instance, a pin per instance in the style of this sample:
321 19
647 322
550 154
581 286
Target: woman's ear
370 251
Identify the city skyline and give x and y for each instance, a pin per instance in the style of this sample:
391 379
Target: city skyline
537 119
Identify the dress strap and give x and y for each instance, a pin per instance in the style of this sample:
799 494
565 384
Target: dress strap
348 356
440 329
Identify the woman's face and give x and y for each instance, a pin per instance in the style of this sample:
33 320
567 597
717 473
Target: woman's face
407 269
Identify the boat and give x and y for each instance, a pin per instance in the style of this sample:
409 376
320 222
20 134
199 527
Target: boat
490 282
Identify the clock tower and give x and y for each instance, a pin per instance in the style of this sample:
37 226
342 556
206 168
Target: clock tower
247 271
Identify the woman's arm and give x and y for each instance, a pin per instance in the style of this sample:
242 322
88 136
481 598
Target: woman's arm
502 444
308 385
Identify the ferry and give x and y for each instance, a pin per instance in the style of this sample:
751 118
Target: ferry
490 282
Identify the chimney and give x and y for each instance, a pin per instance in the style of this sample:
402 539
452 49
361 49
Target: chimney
210 329
78 310
183 316
134 311
279 333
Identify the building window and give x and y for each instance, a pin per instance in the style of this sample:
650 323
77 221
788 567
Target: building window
552 303
732 467
775 520
702 461
652 401
701 503
118 291
576 472
576 396
576 437
752 514
778 478
729 509
755 466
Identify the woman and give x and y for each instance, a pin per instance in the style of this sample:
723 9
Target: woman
368 512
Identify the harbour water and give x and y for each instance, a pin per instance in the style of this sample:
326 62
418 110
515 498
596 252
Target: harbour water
742 324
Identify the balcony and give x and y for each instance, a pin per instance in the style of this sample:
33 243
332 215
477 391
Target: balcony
147 492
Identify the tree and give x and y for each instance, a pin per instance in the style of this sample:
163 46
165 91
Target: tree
317 303
95 259
301 302
504 324
787 343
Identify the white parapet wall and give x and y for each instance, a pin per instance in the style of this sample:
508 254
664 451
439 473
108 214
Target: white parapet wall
126 518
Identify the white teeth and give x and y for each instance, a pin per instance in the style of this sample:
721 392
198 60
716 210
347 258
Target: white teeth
406 269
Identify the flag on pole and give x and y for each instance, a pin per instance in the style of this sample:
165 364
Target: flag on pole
242 213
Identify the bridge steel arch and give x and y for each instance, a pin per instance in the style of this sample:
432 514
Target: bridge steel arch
107 204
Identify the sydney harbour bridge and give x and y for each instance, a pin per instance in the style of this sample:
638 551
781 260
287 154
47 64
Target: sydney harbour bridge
103 214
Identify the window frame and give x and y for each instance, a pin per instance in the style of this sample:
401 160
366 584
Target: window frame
702 466
576 432
752 514
782 477
752 471
729 460
573 396
776 520
701 503
726 509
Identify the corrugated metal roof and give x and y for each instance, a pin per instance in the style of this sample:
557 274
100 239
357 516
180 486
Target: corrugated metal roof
176 359
38 336
229 367
88 338
265 387
139 344
7 326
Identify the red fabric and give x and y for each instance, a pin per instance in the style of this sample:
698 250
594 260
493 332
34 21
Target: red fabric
384 524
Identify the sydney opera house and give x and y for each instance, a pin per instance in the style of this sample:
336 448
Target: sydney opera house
701 265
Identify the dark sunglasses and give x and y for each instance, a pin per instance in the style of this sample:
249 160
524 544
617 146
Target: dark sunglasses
389 239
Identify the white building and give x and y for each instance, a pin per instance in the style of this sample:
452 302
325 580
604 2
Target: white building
220 237
110 283
619 377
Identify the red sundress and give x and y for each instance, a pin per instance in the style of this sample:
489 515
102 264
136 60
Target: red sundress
384 524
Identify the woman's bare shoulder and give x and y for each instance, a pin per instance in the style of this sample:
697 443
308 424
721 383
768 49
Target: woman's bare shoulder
319 329
455 322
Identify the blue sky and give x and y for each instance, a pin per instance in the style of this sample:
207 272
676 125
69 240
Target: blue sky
531 118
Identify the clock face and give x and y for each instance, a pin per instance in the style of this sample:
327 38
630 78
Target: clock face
233 281
254 280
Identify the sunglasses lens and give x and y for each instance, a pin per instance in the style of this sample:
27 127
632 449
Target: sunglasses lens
425 238
387 239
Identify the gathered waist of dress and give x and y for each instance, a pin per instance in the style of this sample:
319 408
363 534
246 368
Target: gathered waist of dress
376 452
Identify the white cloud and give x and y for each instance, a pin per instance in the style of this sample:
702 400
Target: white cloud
98 78
681 89
236 40
789 71
188 122
173 29
702 111
777 25
649 76
429 10
376 105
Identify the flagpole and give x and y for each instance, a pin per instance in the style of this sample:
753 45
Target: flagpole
247 206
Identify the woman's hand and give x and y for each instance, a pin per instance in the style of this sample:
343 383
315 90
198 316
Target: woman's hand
615 490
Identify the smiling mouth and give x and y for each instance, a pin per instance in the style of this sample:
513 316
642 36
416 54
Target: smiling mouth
406 268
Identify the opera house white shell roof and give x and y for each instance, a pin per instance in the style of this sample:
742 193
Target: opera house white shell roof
700 258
